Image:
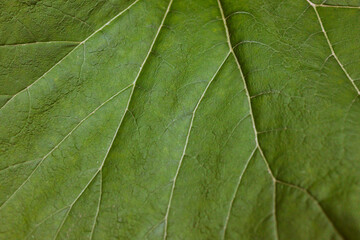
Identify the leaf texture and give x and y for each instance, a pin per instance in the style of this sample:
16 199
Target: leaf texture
168 119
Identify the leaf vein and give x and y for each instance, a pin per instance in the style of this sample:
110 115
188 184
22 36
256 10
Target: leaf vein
235 193
34 43
86 39
98 207
128 103
251 114
331 47
305 191
186 144
62 140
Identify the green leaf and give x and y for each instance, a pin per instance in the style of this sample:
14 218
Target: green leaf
169 119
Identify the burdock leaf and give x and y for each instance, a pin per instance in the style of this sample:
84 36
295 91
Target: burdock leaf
179 119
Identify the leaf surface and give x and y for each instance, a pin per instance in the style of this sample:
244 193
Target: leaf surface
167 119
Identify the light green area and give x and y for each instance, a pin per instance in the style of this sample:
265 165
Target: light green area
168 119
